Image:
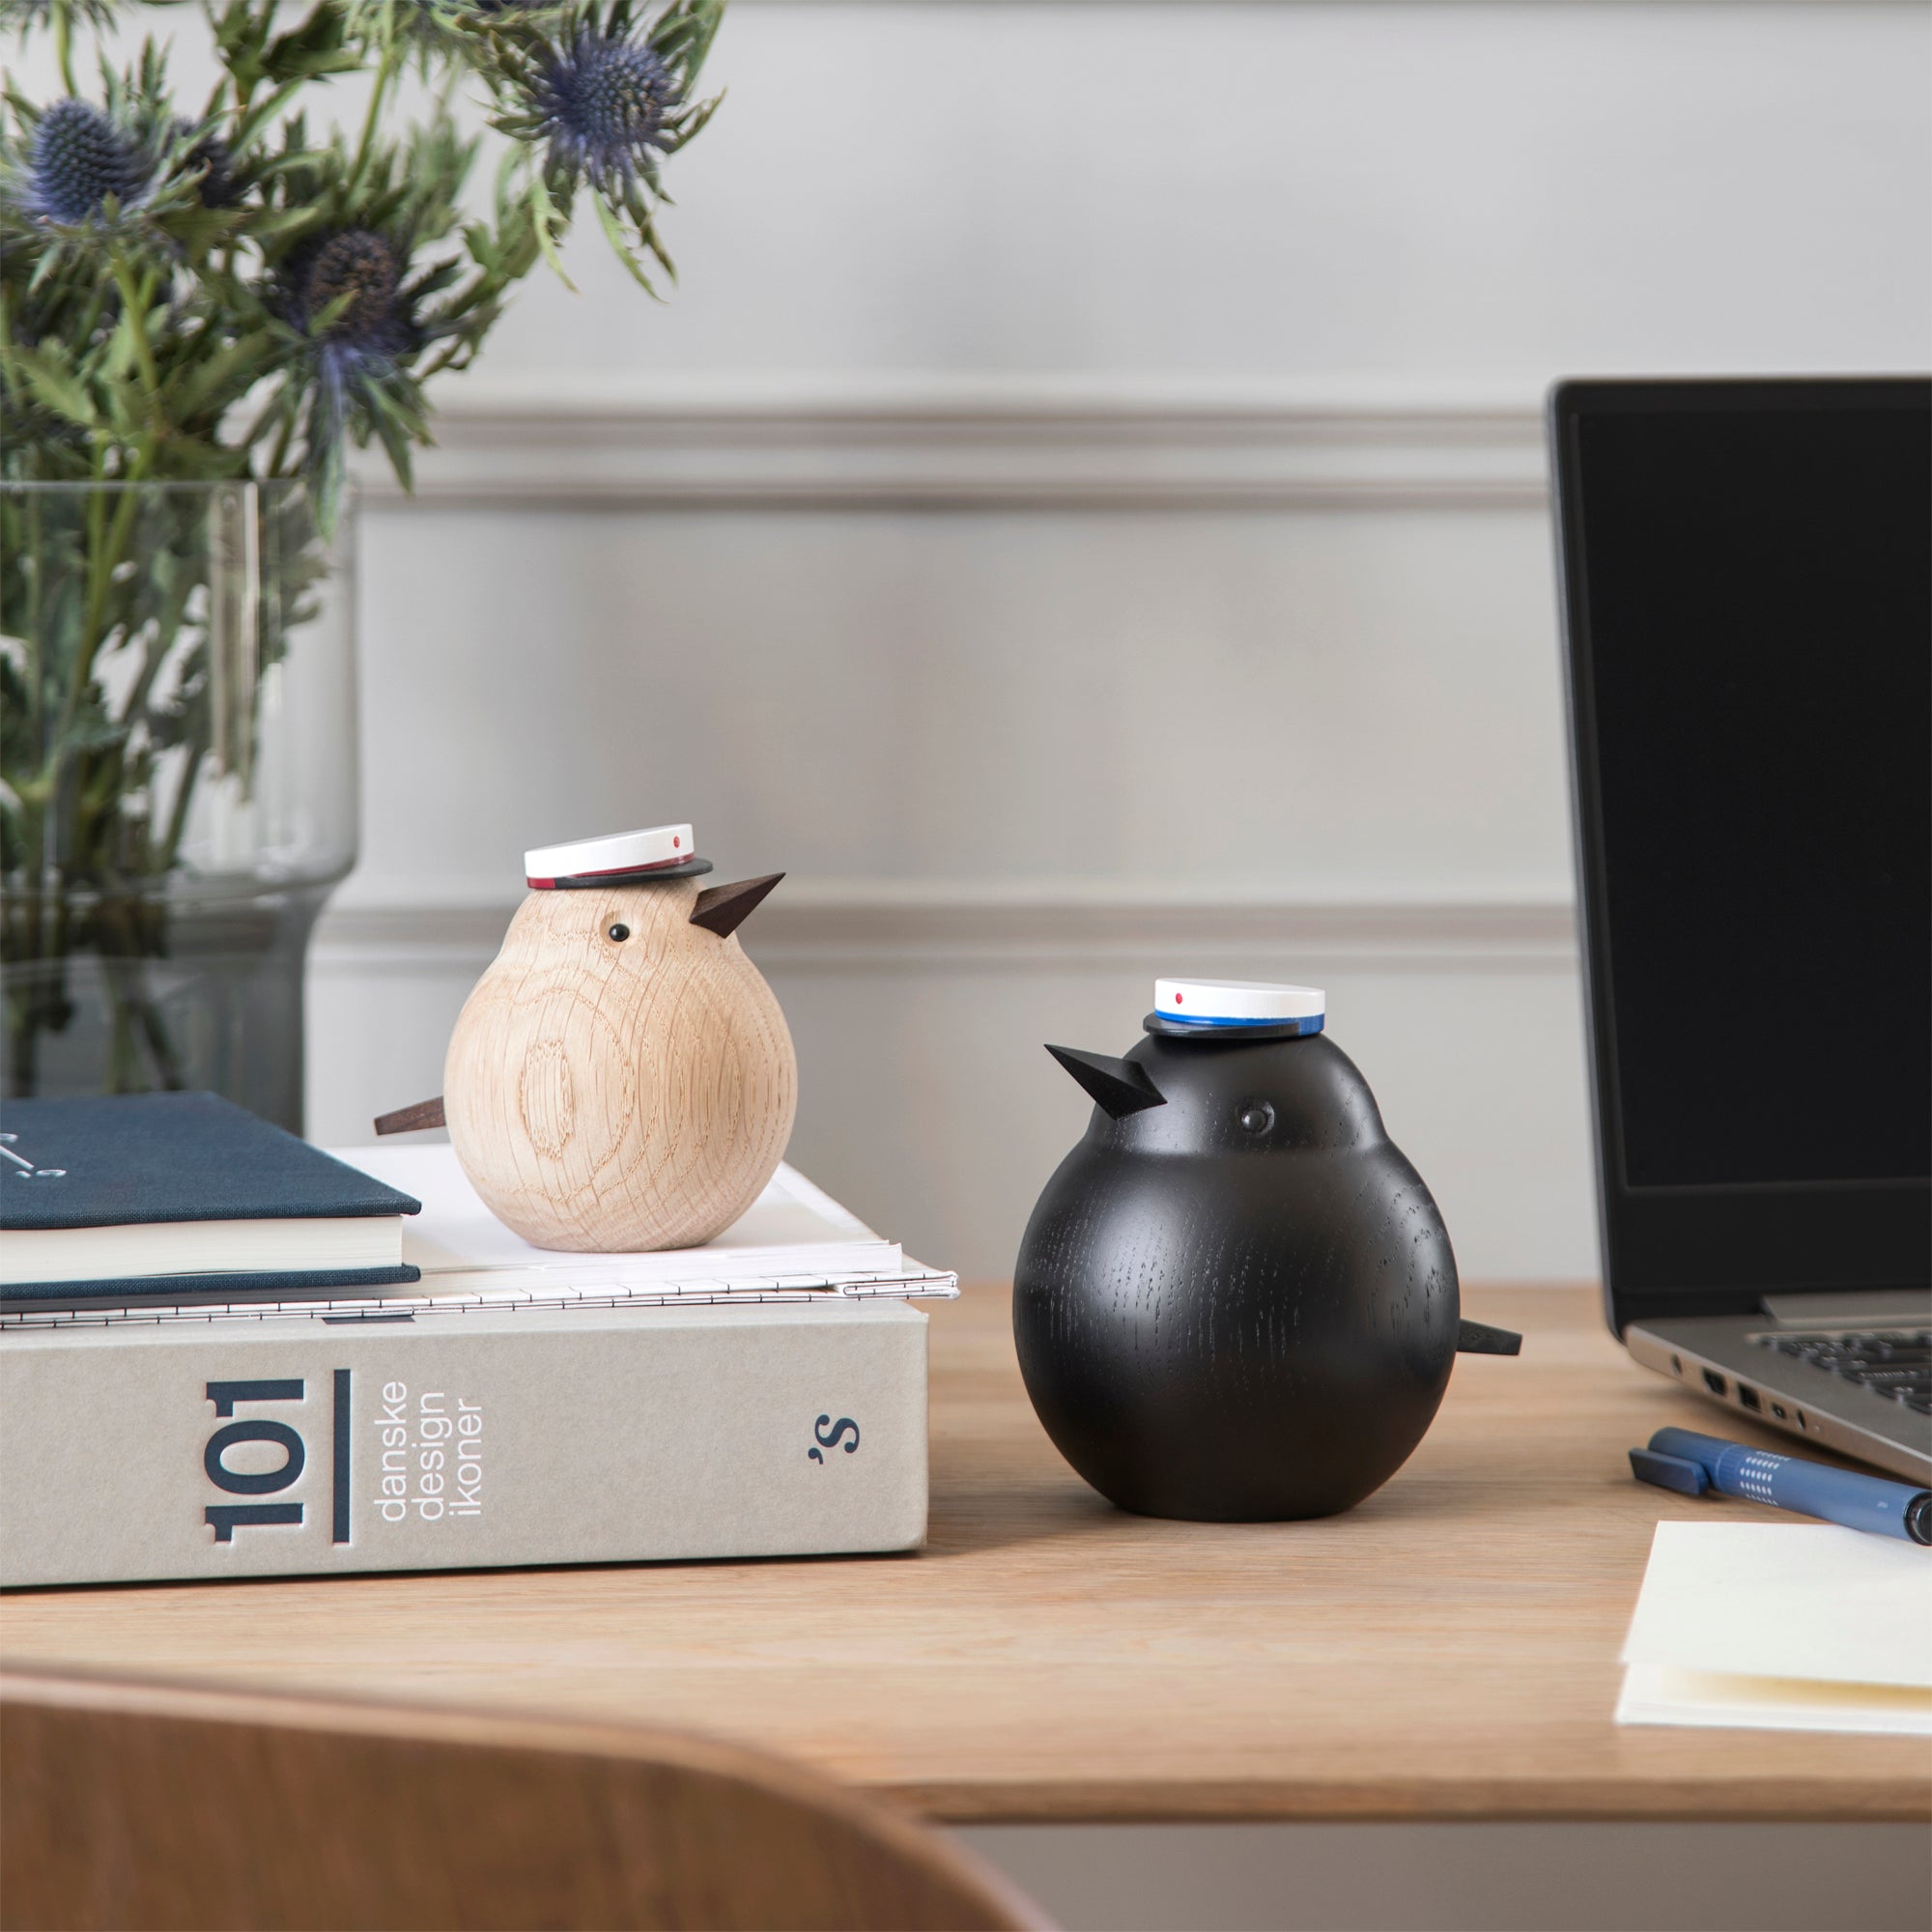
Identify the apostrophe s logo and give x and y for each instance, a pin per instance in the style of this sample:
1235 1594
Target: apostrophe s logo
835 1438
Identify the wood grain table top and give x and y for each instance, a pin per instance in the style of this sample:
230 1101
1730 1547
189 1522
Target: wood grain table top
1448 1649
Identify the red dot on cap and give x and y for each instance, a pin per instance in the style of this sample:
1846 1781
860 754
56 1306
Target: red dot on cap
1176 999
676 841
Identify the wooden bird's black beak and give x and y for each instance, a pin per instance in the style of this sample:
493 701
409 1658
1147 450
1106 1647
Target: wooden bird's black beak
1119 1087
722 909
407 1119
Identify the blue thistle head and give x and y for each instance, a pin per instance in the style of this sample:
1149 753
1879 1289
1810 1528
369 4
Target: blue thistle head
78 159
354 354
602 100
359 269
212 157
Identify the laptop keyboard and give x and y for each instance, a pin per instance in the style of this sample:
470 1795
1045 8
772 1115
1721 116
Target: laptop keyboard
1895 1362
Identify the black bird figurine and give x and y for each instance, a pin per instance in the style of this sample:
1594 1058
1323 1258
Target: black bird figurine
1235 1300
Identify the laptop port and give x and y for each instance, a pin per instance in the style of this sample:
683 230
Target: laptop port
1714 1382
1777 1410
1677 1365
1748 1397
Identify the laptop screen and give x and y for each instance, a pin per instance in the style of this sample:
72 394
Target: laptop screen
1750 580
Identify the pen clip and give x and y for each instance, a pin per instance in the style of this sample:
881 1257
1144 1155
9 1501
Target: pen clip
1669 1472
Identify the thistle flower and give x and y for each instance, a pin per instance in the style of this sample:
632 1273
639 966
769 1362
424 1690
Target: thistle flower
211 156
78 157
23 16
358 268
344 292
602 100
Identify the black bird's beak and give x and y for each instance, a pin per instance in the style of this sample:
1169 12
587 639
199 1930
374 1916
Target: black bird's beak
1119 1087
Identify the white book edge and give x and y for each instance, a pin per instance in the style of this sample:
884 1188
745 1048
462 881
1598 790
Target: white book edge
484 1294
1655 1693
316 1245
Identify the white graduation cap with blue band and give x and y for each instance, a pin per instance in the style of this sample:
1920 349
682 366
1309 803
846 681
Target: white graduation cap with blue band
1228 1006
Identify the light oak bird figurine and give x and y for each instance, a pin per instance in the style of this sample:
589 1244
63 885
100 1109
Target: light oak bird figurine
621 1077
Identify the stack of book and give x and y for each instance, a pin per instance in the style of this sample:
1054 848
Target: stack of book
224 1352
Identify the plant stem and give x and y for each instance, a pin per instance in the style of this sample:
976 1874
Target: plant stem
283 436
102 556
178 815
134 299
64 49
383 73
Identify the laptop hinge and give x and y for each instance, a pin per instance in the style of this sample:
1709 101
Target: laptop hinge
1853 1308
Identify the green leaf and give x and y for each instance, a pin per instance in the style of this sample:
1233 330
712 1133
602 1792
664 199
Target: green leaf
214 375
58 390
545 212
620 243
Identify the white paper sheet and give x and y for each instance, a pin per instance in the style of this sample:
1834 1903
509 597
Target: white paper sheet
792 1228
1782 1626
1654 1695
794 1244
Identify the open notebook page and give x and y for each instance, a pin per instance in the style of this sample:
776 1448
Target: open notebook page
792 1228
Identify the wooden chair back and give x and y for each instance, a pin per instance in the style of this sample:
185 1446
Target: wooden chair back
132 1806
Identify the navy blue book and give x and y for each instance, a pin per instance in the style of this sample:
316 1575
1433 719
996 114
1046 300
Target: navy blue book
184 1196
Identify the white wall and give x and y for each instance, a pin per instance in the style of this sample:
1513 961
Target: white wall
1082 515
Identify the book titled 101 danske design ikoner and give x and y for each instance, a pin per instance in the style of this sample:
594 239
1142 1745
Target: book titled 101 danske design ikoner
236 1448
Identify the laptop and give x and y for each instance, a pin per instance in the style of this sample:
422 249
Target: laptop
1746 588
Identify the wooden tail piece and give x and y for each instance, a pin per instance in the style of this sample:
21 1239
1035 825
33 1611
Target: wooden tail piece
407 1119
1478 1338
722 909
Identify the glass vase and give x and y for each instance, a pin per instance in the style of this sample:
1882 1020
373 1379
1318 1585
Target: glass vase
178 783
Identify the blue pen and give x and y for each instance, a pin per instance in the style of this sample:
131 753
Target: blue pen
1680 1458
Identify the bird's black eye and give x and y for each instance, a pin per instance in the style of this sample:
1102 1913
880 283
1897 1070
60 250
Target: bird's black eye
620 932
1257 1118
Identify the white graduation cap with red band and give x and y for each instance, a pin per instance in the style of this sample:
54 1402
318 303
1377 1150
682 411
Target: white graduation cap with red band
616 857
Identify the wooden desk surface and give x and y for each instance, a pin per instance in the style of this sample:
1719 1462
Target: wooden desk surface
1446 1650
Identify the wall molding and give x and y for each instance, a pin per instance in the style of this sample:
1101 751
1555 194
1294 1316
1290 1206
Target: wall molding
1070 444
1015 930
